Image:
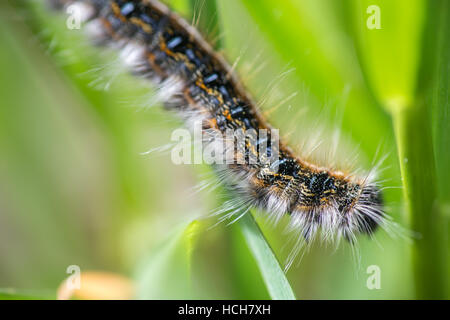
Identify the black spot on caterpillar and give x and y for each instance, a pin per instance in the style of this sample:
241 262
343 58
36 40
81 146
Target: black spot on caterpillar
199 85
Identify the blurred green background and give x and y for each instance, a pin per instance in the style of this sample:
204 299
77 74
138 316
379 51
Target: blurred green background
77 189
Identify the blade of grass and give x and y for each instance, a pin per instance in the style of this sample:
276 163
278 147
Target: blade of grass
400 62
419 180
441 122
414 136
274 277
249 284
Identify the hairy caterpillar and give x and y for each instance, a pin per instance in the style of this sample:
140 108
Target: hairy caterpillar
199 85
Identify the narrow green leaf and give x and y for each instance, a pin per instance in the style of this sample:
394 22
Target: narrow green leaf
400 62
389 50
430 257
274 277
441 103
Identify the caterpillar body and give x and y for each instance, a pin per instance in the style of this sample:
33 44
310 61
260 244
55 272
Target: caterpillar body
199 85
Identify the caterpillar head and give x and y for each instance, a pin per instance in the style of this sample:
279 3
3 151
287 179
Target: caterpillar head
361 207
336 205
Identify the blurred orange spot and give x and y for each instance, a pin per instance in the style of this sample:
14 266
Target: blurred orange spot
97 286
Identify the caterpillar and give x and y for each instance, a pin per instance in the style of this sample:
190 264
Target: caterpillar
200 86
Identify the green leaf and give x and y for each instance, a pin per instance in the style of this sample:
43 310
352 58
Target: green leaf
274 277
441 103
389 55
400 62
